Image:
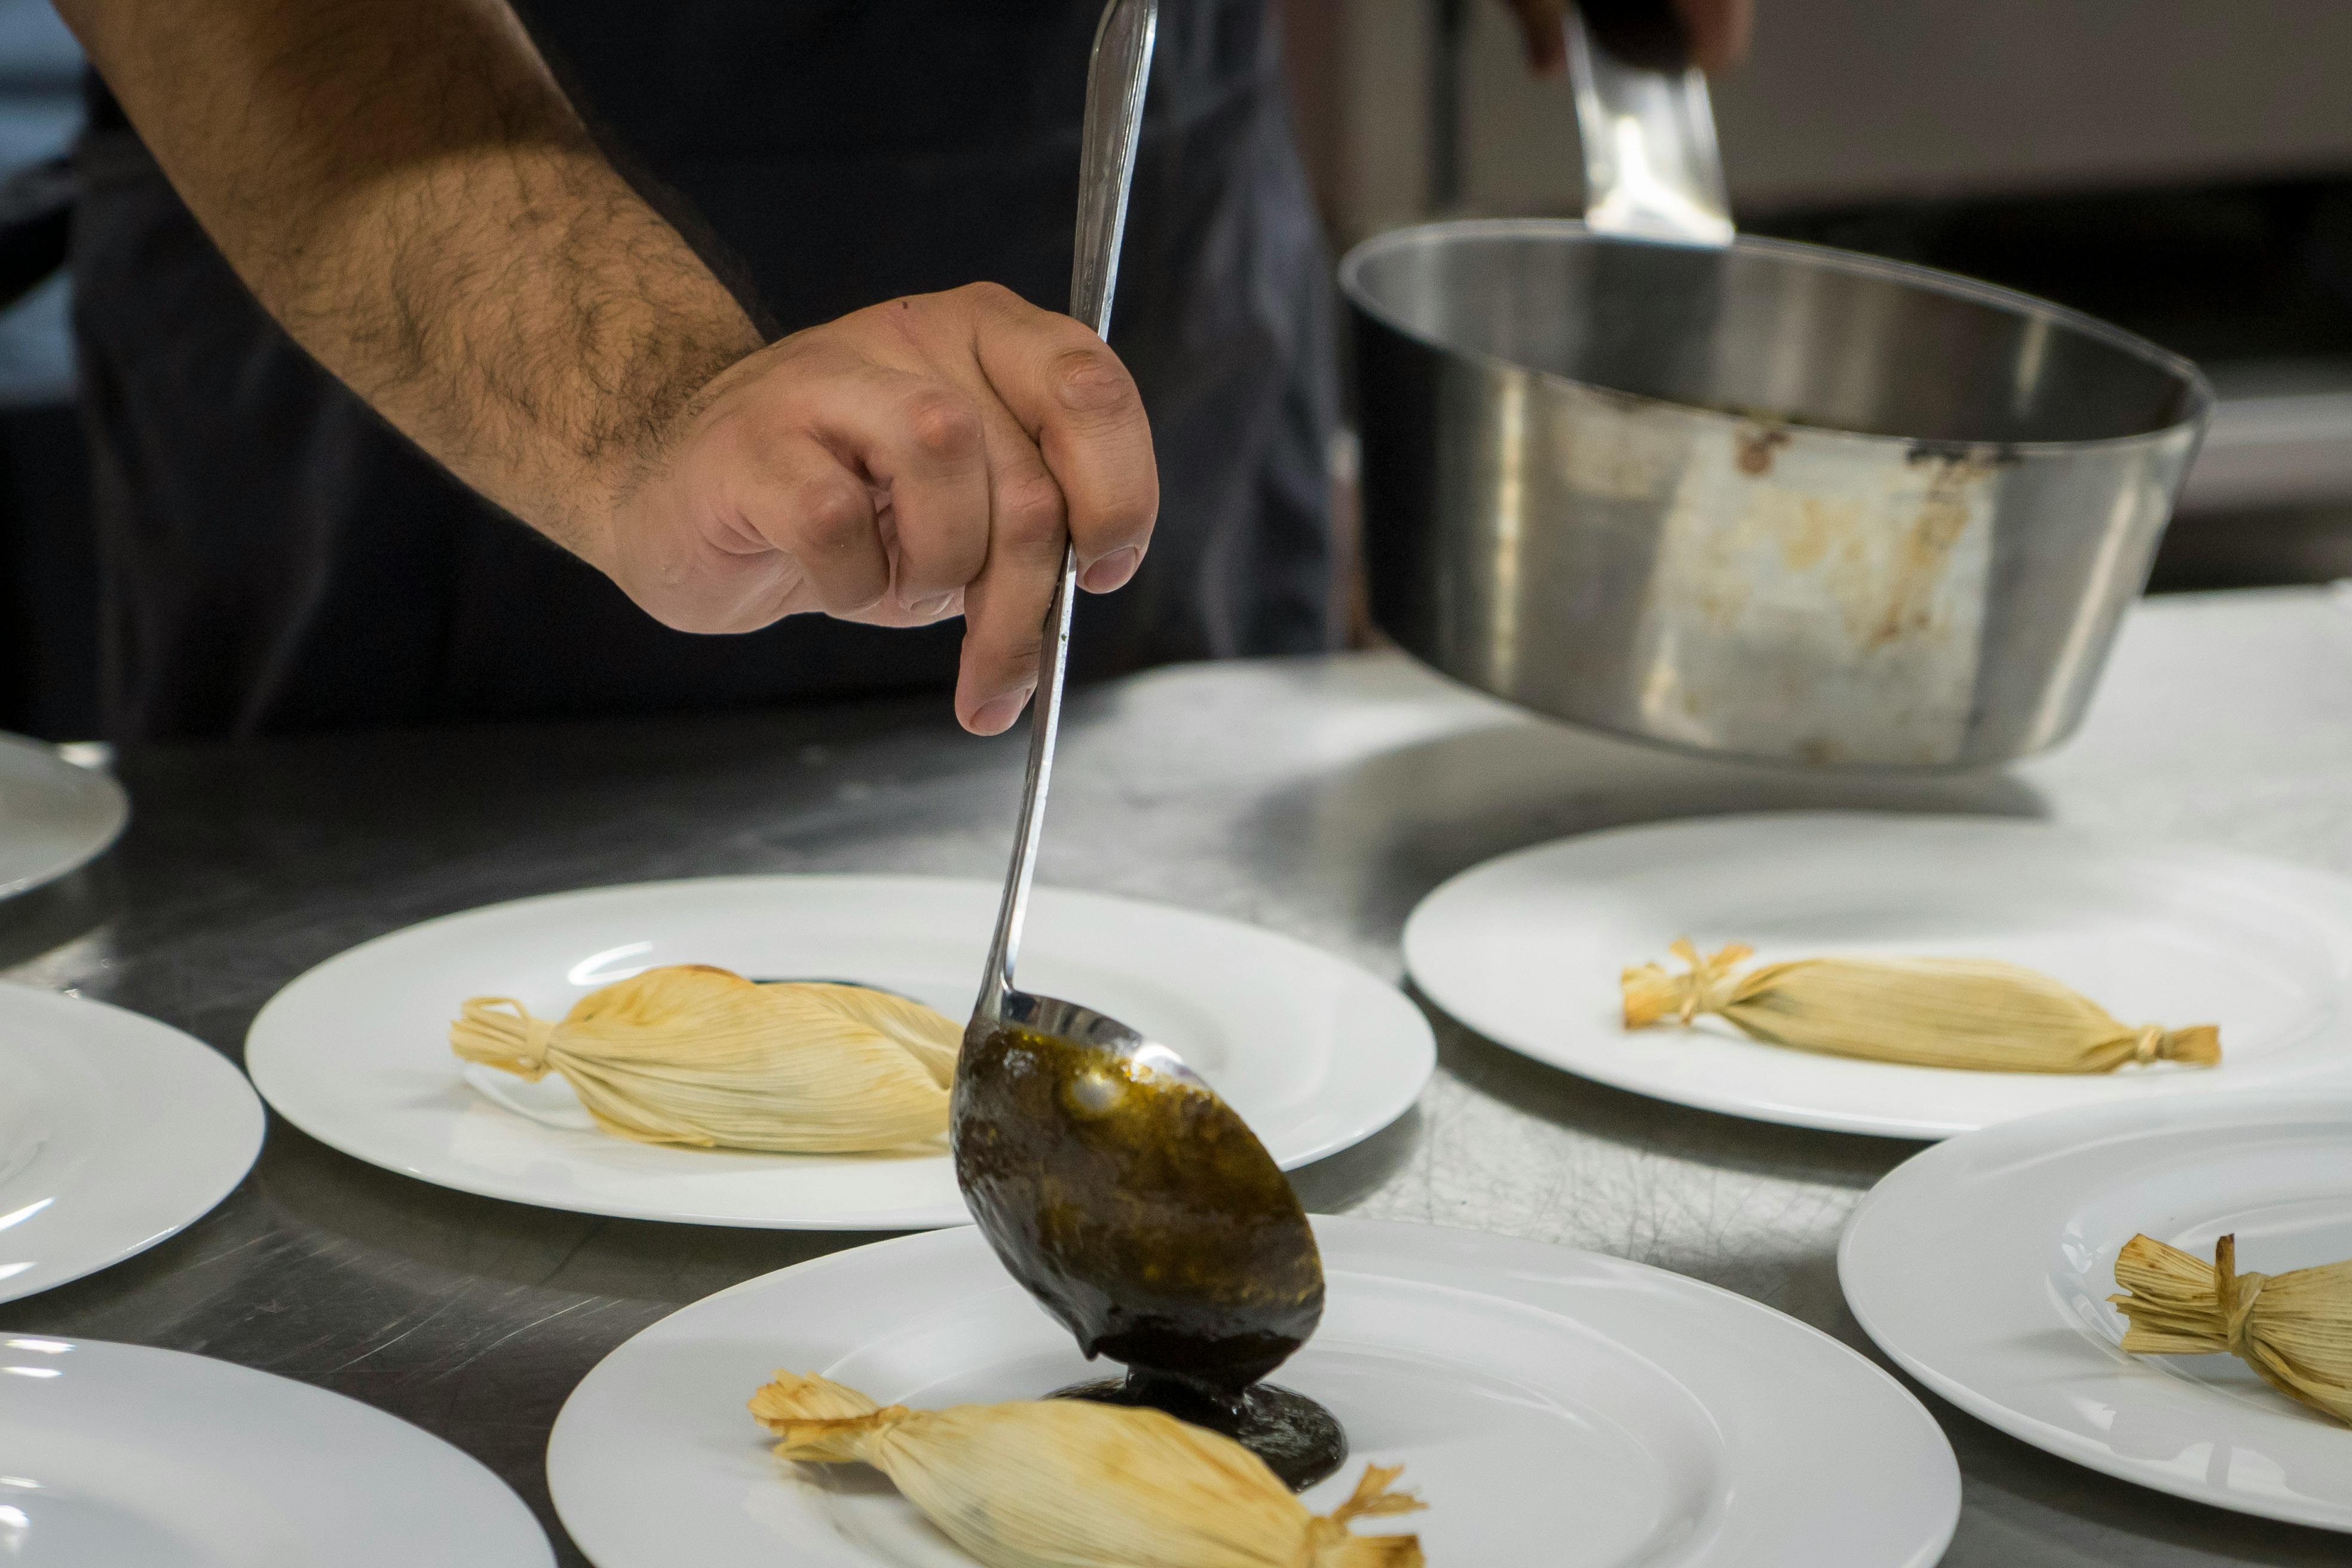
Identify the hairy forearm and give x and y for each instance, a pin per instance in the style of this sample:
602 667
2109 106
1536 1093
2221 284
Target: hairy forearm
402 185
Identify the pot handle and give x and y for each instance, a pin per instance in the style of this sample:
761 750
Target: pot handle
1652 169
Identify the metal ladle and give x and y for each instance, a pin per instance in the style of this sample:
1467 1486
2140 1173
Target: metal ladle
1112 1182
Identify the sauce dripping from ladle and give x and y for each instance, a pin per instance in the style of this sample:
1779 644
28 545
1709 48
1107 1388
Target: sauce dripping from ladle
1112 1182
1146 1215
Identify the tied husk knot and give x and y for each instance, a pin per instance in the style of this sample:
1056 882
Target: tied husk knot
1706 985
1058 1483
1977 1014
693 1055
2295 1329
500 1032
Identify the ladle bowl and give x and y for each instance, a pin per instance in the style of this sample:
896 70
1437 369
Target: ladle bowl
1129 1199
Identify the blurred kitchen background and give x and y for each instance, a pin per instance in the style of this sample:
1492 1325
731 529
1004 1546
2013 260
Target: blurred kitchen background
2182 167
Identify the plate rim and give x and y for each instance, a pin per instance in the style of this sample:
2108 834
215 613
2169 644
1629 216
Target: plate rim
421 1440
2223 1109
99 782
1386 1110
170 1063
1910 1128
1334 1230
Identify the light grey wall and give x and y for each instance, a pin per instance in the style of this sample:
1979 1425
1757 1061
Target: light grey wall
1867 97
1863 100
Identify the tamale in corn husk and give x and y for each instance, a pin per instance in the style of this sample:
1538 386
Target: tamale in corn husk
2295 1329
1974 1012
1065 1483
693 1055
926 1034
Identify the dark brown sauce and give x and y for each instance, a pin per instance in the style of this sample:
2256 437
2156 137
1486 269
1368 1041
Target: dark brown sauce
1163 1236
1300 1440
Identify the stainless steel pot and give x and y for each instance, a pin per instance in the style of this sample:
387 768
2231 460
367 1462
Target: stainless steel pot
1746 496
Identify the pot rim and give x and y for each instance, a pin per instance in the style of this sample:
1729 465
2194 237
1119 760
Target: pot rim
1952 285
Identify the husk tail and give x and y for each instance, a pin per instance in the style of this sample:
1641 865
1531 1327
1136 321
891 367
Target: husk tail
820 1420
1331 1544
2295 1329
2200 1045
500 1032
1975 1014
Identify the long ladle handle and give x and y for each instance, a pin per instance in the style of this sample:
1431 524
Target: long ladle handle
1651 168
1116 79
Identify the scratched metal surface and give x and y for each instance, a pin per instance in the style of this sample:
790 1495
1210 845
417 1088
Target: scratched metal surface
1320 798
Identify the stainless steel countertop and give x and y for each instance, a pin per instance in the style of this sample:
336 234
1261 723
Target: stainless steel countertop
1320 797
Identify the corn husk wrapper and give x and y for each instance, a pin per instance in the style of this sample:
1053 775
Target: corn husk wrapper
928 1036
2295 1329
693 1055
1974 1012
1062 1483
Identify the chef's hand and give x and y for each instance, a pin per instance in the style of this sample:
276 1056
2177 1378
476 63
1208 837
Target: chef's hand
460 252
909 462
1719 32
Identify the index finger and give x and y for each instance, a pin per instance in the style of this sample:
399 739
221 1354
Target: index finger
1078 403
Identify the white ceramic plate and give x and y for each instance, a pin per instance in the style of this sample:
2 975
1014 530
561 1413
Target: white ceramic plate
1983 1267
1315 1053
1527 948
54 817
115 1133
1550 1406
113 1456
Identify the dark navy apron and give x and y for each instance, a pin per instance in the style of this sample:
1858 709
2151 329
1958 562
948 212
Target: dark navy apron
275 558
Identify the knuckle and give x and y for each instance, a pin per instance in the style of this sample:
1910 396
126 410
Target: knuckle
1021 656
944 427
834 516
987 297
1031 513
1090 380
